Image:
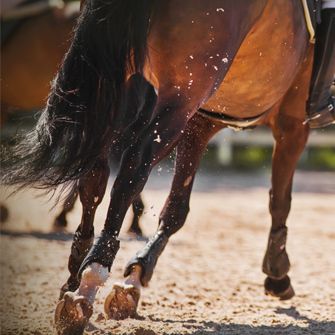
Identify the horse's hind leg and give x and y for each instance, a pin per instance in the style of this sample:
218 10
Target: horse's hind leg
123 299
290 138
91 190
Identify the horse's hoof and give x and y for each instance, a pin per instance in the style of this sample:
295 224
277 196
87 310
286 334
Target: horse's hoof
135 233
4 213
59 226
72 314
122 301
280 288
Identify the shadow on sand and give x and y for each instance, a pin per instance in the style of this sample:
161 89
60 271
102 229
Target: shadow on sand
193 327
60 236
49 236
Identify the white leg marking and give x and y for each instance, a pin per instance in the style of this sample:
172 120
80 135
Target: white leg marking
94 276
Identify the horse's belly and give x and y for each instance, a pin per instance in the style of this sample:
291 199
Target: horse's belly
266 63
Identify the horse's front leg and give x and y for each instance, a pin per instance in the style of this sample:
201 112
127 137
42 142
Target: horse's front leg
290 135
123 299
289 145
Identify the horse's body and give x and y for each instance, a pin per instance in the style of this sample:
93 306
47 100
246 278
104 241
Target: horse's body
243 63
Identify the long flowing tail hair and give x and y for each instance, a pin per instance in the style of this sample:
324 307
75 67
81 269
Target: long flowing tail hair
76 127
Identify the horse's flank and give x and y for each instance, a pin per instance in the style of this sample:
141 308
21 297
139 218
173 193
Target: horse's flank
270 56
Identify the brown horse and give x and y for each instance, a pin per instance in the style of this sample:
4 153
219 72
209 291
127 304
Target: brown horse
29 60
213 64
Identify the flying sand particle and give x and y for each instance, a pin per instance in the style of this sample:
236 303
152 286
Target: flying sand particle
158 139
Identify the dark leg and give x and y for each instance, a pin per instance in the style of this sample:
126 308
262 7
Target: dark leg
91 190
61 221
140 269
138 208
290 135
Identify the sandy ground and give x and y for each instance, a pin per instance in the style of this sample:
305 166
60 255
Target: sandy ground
208 280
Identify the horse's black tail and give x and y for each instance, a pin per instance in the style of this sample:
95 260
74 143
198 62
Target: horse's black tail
76 127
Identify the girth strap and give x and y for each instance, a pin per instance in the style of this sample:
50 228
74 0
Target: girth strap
236 124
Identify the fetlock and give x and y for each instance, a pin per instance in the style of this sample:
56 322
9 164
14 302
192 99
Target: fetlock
102 252
147 258
276 263
79 249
